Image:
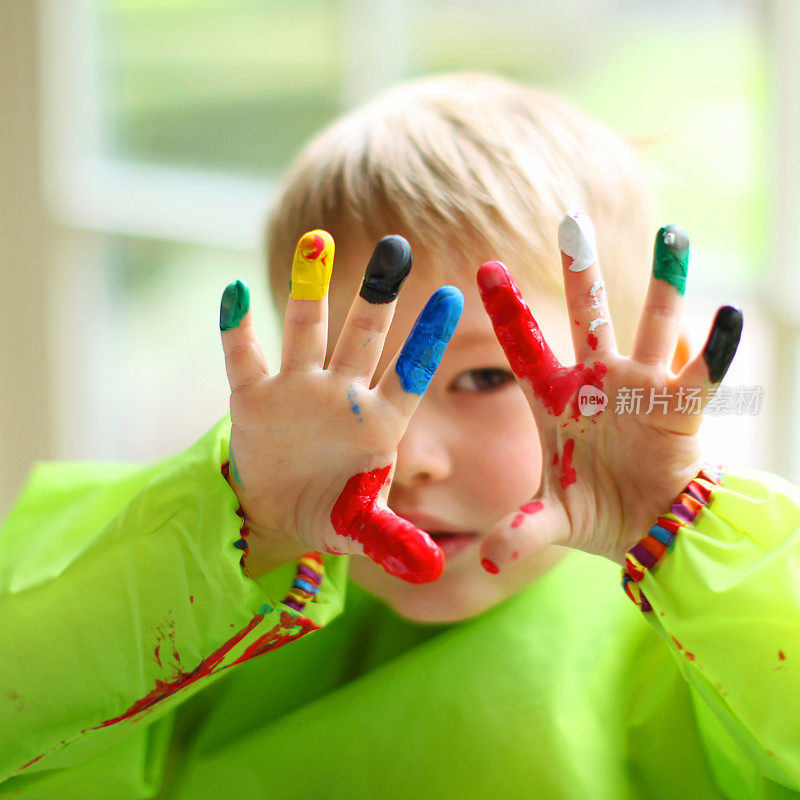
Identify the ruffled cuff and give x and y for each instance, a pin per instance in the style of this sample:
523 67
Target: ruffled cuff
648 551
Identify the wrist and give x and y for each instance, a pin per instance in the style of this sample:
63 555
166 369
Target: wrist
262 550
659 540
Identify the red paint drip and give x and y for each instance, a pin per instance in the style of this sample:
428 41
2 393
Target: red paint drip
289 629
517 521
781 655
166 688
679 645
399 547
591 340
567 472
490 566
528 354
690 656
275 639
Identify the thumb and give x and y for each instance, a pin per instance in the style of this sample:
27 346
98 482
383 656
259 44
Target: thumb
520 535
394 543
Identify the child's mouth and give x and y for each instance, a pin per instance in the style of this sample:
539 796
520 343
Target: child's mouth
453 543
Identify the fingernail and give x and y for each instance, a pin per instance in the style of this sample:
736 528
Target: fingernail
492 275
425 345
234 305
490 566
577 241
671 256
387 269
723 341
311 268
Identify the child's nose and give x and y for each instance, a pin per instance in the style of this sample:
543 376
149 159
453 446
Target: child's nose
422 455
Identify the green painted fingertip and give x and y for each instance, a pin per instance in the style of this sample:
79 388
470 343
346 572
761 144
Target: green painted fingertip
235 304
671 256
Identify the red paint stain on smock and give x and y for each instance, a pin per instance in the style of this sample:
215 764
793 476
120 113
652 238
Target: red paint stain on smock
399 547
290 628
781 655
528 354
567 472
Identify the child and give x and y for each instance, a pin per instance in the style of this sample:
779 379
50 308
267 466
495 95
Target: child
126 591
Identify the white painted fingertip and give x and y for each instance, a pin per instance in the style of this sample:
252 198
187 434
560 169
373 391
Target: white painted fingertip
577 240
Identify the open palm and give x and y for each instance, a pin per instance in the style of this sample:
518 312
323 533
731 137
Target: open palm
607 475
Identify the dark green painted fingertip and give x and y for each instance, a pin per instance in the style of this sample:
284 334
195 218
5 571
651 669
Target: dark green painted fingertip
235 304
671 256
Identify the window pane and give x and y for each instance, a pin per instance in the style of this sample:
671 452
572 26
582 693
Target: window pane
150 378
234 85
686 82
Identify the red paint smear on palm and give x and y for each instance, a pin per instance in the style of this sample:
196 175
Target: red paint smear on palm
528 354
567 471
399 547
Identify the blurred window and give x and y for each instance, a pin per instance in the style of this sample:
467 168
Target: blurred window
168 122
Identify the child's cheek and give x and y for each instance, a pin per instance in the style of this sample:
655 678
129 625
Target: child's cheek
503 458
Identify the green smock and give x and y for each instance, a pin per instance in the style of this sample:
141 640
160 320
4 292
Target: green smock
123 607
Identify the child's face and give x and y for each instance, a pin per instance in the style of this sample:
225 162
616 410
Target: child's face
470 456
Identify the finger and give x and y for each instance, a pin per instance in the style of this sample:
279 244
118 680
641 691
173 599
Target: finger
551 387
244 359
409 375
399 547
711 365
524 533
591 328
305 333
361 341
659 324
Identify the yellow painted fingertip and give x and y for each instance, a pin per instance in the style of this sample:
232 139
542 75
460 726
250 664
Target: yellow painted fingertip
312 265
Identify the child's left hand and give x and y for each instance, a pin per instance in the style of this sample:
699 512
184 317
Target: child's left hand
605 477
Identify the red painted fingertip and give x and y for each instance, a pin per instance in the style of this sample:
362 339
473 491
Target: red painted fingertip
490 566
491 275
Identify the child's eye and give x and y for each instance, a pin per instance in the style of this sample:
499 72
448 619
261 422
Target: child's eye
482 380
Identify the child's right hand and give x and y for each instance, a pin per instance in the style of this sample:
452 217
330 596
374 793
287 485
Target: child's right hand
313 448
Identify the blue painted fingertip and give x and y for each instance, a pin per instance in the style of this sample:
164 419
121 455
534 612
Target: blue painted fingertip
428 339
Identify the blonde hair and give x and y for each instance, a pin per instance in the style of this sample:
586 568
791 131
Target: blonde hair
475 165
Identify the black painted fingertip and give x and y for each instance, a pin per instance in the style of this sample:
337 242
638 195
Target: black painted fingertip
234 306
387 269
723 341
